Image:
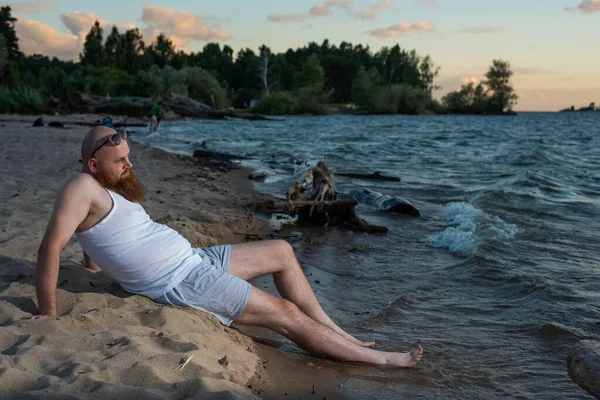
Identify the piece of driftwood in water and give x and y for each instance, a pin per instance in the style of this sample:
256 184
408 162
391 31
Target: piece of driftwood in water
384 202
313 198
187 107
257 176
376 176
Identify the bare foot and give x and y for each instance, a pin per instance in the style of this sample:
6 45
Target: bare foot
406 360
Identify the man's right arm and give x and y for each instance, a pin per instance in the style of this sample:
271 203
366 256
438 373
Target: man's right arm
70 209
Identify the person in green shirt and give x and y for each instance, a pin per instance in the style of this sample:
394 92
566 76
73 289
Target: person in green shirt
154 115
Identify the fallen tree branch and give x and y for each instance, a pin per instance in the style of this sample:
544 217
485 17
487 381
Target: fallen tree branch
182 105
376 176
188 107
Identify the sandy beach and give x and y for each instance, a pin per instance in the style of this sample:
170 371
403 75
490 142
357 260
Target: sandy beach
107 343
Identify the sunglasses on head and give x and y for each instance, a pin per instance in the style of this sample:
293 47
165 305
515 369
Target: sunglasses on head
115 139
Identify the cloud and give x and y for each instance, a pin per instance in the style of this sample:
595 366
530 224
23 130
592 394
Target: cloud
284 19
429 2
470 79
35 37
454 82
587 7
34 7
121 26
79 23
322 9
401 29
375 9
180 26
482 29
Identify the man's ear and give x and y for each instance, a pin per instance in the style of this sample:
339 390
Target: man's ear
93 165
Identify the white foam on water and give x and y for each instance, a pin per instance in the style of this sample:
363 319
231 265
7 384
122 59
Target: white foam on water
468 225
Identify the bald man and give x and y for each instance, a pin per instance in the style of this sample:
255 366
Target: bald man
101 206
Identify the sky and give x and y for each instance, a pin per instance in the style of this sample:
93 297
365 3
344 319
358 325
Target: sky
552 45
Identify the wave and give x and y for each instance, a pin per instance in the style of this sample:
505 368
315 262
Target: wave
468 226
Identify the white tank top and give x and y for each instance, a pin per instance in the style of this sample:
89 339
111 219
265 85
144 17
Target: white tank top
145 257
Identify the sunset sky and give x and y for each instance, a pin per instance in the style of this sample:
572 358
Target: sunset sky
552 45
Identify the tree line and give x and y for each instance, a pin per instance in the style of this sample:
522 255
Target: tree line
304 80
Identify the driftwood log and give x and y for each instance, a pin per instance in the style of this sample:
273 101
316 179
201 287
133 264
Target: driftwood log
584 365
313 199
181 105
187 107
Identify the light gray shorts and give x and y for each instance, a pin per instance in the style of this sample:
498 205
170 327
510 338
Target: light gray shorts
210 287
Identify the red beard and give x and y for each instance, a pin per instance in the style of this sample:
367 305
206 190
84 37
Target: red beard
129 186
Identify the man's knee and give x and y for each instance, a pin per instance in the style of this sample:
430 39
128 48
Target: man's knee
289 317
270 311
282 248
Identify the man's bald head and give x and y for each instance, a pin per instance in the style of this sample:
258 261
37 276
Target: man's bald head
93 139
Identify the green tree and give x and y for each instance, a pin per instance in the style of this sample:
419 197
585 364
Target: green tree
168 78
309 84
311 75
365 90
3 54
480 99
277 103
93 49
204 87
209 58
226 66
131 52
429 71
282 73
503 95
7 30
162 51
470 99
113 50
340 71
216 61
244 80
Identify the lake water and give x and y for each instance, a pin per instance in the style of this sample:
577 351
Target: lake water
497 279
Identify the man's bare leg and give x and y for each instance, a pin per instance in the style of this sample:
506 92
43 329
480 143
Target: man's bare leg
287 319
251 260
